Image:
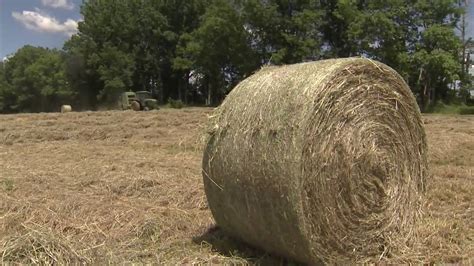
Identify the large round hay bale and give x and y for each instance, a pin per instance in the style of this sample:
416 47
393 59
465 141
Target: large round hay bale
135 106
66 108
322 160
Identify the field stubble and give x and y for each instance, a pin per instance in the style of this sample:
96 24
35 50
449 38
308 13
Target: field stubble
110 187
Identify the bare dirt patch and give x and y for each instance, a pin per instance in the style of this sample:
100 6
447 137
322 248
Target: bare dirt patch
110 187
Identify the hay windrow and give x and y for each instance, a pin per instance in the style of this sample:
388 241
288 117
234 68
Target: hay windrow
322 160
39 246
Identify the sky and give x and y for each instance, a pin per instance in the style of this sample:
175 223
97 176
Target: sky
469 19
48 23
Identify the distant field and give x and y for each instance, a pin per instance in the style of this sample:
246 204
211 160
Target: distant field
110 187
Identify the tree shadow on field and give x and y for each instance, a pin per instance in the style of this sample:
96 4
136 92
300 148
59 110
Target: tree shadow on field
233 248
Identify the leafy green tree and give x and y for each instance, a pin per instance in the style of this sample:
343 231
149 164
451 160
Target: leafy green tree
48 77
414 37
338 15
83 79
199 49
182 18
117 48
436 60
282 31
437 50
4 88
115 69
218 51
36 80
23 93
236 37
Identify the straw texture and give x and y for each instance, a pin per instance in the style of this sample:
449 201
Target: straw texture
318 161
66 108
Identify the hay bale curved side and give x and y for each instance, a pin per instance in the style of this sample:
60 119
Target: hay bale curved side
322 160
135 105
66 108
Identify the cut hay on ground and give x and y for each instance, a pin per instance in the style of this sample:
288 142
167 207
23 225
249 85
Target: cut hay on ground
39 246
124 187
323 160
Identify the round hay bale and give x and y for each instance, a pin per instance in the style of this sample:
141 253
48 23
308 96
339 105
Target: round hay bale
318 161
135 105
66 108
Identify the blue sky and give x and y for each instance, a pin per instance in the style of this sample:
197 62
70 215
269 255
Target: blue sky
46 23
49 23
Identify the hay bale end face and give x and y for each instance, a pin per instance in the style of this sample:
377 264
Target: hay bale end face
318 161
66 108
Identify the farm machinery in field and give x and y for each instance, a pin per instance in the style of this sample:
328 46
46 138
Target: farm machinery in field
138 101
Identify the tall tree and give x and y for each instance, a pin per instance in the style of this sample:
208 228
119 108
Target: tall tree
199 49
218 51
284 31
466 42
437 50
183 17
411 36
120 43
4 88
83 79
36 81
437 60
337 17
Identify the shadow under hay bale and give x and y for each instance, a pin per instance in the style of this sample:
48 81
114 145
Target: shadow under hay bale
230 247
318 161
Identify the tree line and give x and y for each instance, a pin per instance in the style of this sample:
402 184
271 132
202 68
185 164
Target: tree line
196 51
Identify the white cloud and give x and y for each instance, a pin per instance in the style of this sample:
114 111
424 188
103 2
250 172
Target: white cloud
38 21
58 4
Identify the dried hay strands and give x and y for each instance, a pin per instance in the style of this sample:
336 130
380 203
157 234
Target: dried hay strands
318 161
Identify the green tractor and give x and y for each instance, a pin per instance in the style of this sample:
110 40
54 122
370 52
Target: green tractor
138 101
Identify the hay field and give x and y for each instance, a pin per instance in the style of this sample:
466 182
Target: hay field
99 187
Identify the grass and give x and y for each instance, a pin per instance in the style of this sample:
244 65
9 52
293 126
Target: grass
176 104
124 187
7 184
451 109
